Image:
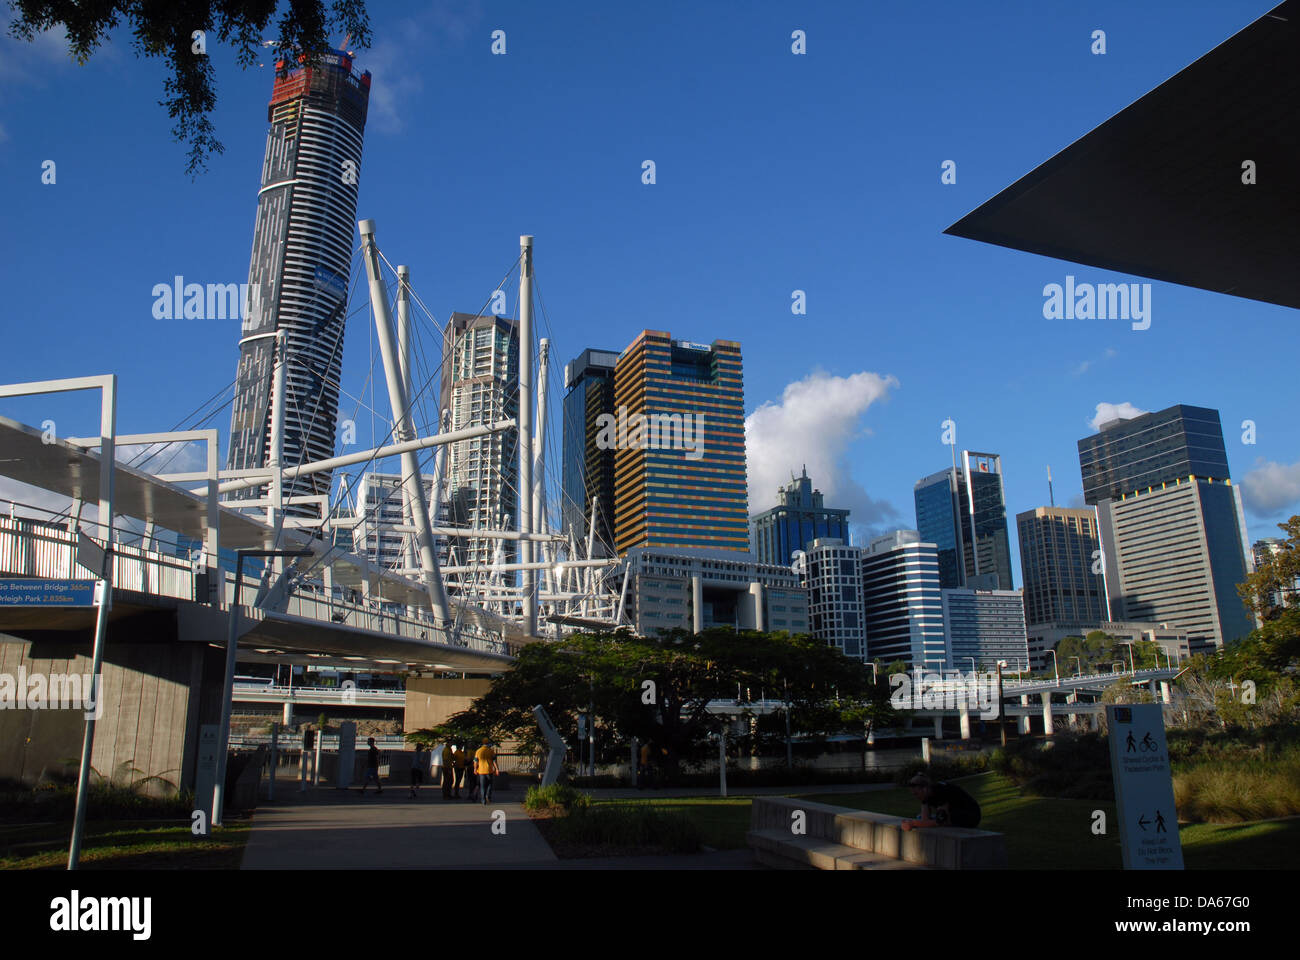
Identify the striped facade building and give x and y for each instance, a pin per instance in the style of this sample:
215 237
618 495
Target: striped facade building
679 465
298 277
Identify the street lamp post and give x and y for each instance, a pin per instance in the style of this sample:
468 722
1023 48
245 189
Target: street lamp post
1055 667
1002 717
1079 672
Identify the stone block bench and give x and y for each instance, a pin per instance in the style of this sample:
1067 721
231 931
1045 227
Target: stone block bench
841 838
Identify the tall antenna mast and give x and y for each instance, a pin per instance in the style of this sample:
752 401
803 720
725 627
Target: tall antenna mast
1050 495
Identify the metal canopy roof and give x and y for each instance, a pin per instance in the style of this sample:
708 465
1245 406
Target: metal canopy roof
1157 190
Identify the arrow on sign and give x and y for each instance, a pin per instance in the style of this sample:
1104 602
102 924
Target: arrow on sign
1142 822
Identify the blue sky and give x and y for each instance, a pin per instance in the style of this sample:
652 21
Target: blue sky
775 173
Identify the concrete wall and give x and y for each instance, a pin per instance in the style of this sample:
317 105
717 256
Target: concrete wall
155 690
431 701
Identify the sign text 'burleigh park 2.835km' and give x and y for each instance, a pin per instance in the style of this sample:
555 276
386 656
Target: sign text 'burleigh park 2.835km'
47 593
1144 789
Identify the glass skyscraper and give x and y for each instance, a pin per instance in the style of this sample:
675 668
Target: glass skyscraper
1057 547
298 278
962 512
1125 456
799 518
588 470
671 491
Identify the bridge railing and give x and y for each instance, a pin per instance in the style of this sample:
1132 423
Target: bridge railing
34 548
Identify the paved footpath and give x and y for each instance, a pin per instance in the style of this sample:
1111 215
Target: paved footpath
329 829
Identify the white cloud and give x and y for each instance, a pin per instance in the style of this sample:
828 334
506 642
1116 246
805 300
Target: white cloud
815 423
1114 411
1271 487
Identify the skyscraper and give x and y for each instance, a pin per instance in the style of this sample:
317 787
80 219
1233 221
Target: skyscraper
962 511
831 572
480 384
798 518
588 470
298 277
1174 554
902 601
1171 524
1058 549
679 465
1145 451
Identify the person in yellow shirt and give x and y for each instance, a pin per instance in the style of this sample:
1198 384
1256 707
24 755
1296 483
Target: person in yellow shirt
448 770
485 767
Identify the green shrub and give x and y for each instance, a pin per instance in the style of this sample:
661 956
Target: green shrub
1069 766
557 795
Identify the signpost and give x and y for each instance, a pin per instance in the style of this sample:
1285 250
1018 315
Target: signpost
47 593
1144 789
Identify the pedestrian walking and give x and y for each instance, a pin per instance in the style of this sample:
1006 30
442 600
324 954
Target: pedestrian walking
372 766
459 767
418 764
448 770
485 766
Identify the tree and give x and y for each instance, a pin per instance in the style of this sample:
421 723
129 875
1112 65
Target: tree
655 689
1271 590
177 31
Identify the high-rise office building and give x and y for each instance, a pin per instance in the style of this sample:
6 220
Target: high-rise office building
985 626
1174 554
679 438
380 508
1145 451
962 510
799 518
1058 549
831 571
479 385
588 469
901 601
298 278
1171 524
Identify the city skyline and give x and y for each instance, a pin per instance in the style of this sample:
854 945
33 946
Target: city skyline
870 412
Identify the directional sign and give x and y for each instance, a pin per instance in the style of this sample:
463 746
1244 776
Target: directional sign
47 593
1144 789
91 555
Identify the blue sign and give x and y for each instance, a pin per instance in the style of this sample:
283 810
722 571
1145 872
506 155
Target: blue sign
47 593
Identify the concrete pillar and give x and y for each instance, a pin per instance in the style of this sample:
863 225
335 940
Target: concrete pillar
1165 692
938 727
1072 718
1094 721
347 751
756 592
1047 712
1024 721
964 717
1151 685
288 714
697 605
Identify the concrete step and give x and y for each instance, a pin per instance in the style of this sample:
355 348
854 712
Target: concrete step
780 848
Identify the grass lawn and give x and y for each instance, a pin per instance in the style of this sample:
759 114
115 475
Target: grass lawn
1041 833
124 845
722 821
